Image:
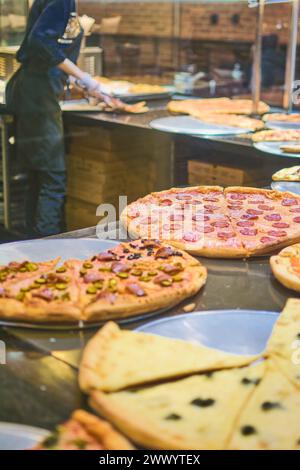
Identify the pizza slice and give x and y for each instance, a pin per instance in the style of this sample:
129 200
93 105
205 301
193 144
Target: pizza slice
198 412
233 120
290 149
17 271
288 174
138 277
282 117
109 361
286 267
84 431
284 344
276 135
47 297
270 420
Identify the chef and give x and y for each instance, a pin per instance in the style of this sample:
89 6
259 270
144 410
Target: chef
48 56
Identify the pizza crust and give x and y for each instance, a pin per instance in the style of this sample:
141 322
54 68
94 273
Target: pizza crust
281 267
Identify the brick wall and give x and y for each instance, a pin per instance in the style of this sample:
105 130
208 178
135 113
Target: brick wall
145 21
157 19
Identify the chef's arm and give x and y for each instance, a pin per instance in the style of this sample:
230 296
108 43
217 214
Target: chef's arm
84 80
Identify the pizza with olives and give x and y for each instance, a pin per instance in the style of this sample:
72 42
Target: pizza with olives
211 221
131 279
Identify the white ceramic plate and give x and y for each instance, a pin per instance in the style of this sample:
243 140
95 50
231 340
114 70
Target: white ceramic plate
19 436
274 148
234 331
192 126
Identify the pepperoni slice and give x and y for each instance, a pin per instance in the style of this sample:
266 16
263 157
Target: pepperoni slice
226 235
176 217
234 206
166 202
264 207
295 209
200 217
147 220
296 220
208 229
255 201
210 199
238 196
267 240
289 202
282 224
277 233
272 217
133 212
191 237
250 216
254 212
171 227
210 207
184 197
251 232
221 224
245 223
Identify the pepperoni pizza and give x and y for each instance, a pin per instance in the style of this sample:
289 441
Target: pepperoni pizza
211 221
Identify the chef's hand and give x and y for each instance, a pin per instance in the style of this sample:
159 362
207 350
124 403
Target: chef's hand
93 89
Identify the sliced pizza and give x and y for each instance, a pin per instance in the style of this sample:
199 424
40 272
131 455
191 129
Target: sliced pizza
109 360
47 297
216 105
137 277
277 135
232 120
198 412
209 221
84 431
290 149
284 344
288 174
286 267
270 420
282 117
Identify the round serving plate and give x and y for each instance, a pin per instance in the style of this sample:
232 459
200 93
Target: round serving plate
291 186
19 436
274 148
192 126
234 331
47 249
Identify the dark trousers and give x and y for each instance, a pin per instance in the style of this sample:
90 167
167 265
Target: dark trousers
33 98
45 203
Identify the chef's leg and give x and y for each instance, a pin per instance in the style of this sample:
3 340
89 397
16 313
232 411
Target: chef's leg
50 203
31 199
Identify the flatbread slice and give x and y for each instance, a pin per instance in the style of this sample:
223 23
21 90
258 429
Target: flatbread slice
284 344
270 421
288 174
84 431
198 412
115 359
282 117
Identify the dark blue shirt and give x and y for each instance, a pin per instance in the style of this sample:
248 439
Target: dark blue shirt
53 34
